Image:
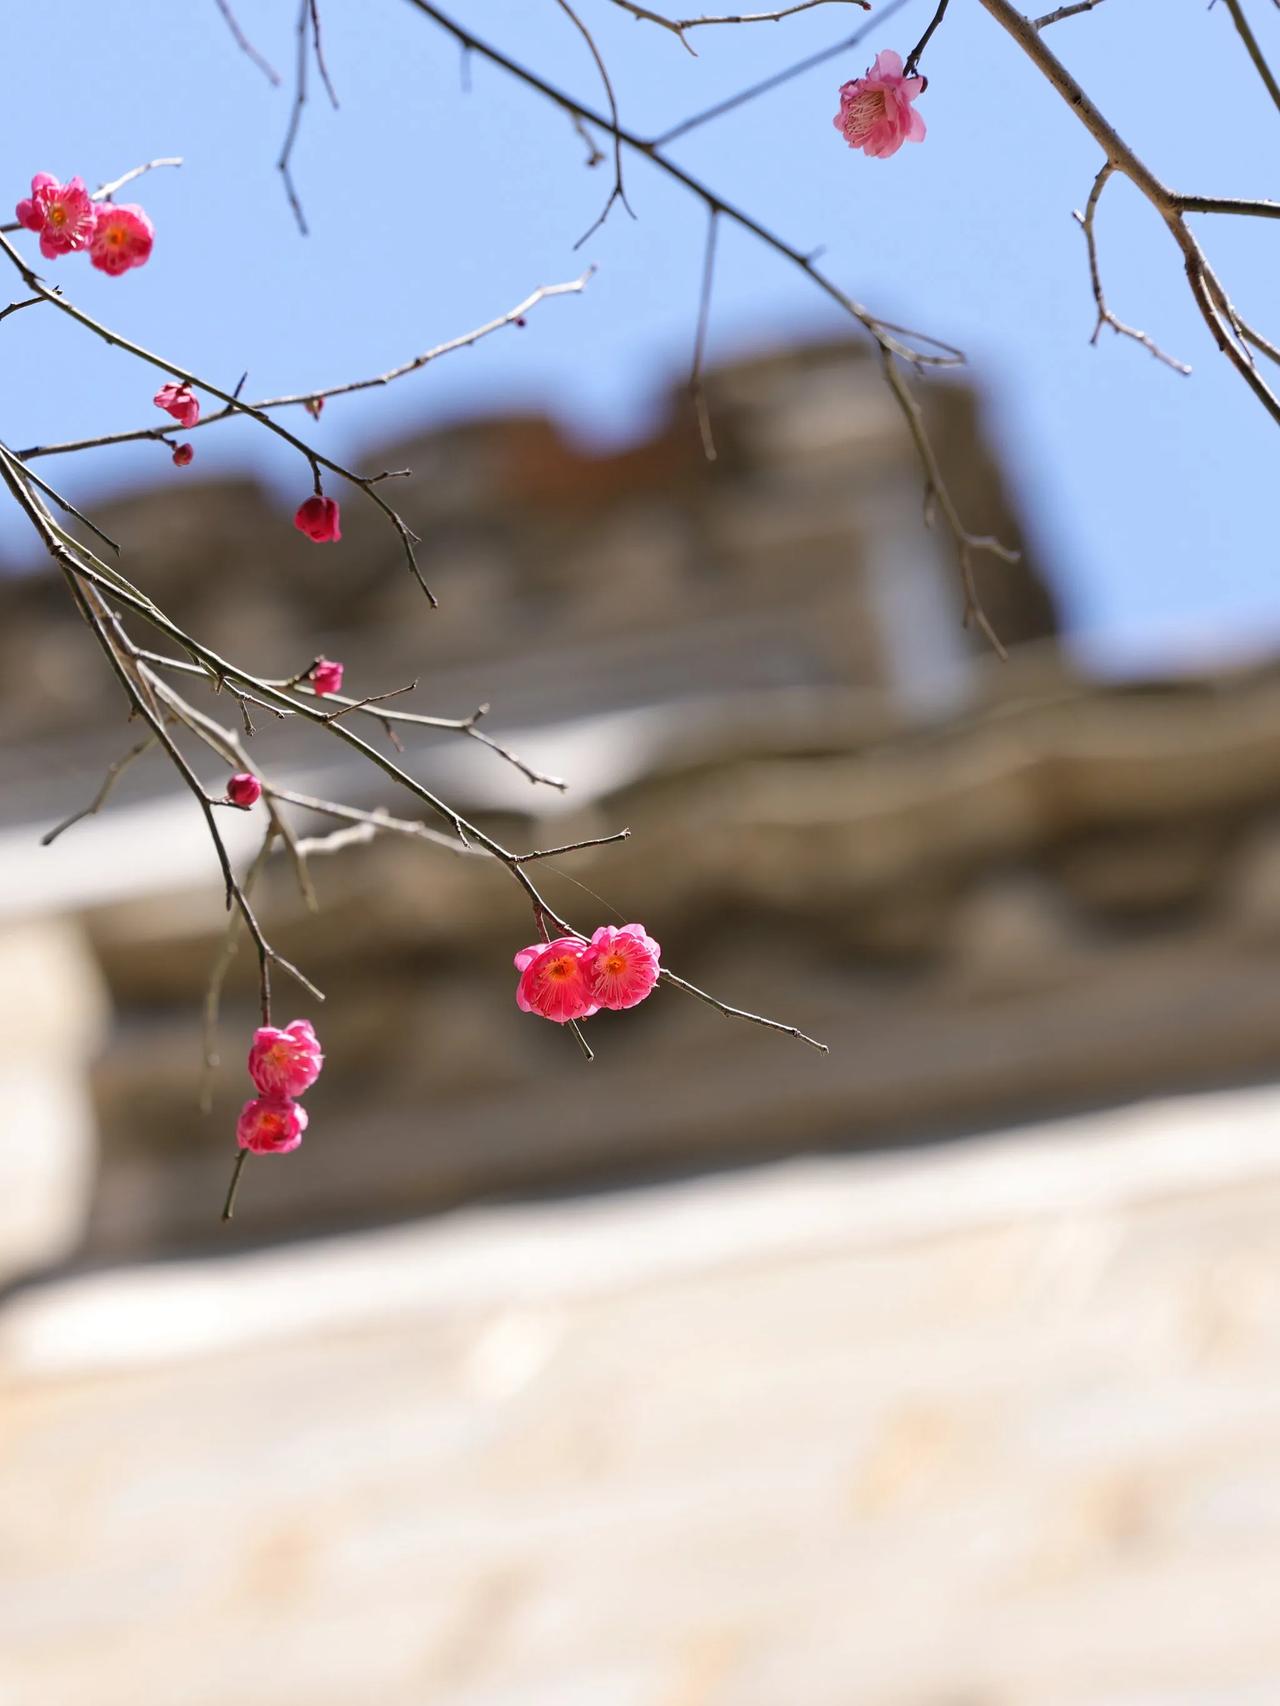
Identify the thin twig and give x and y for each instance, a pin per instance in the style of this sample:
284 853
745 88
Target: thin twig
318 45
1072 11
210 1061
295 117
17 307
298 684
1252 48
375 820
513 317
913 58
317 461
114 772
573 846
372 699
777 78
1207 291
670 977
246 46
697 390
618 192
88 585
229 1206
1105 316
678 26
104 192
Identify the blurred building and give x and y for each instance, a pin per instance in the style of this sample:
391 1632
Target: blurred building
829 1432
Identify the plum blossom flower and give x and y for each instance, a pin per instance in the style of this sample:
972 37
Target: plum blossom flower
620 965
63 214
285 1063
319 519
314 407
122 238
271 1125
244 790
183 454
180 401
876 113
552 982
326 676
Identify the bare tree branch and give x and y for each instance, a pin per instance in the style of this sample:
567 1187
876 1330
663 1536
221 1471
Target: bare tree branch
1105 316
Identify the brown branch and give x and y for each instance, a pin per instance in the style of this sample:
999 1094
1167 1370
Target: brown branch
1206 290
1248 208
467 833
1252 48
891 340
87 589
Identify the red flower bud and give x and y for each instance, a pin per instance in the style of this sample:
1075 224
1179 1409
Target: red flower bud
318 518
244 790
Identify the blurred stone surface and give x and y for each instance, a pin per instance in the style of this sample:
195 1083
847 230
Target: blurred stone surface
994 1423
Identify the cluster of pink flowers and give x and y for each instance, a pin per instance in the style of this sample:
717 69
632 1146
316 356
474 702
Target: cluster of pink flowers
68 219
570 978
283 1065
876 113
181 402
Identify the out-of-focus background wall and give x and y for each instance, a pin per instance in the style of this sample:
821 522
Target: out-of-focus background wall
712 1384
939 1371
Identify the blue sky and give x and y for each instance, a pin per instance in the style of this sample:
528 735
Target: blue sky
433 208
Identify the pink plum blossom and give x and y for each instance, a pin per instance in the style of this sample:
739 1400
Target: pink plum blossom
271 1125
319 519
326 676
876 113
63 214
552 981
620 965
122 238
180 401
30 210
183 454
244 790
285 1063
